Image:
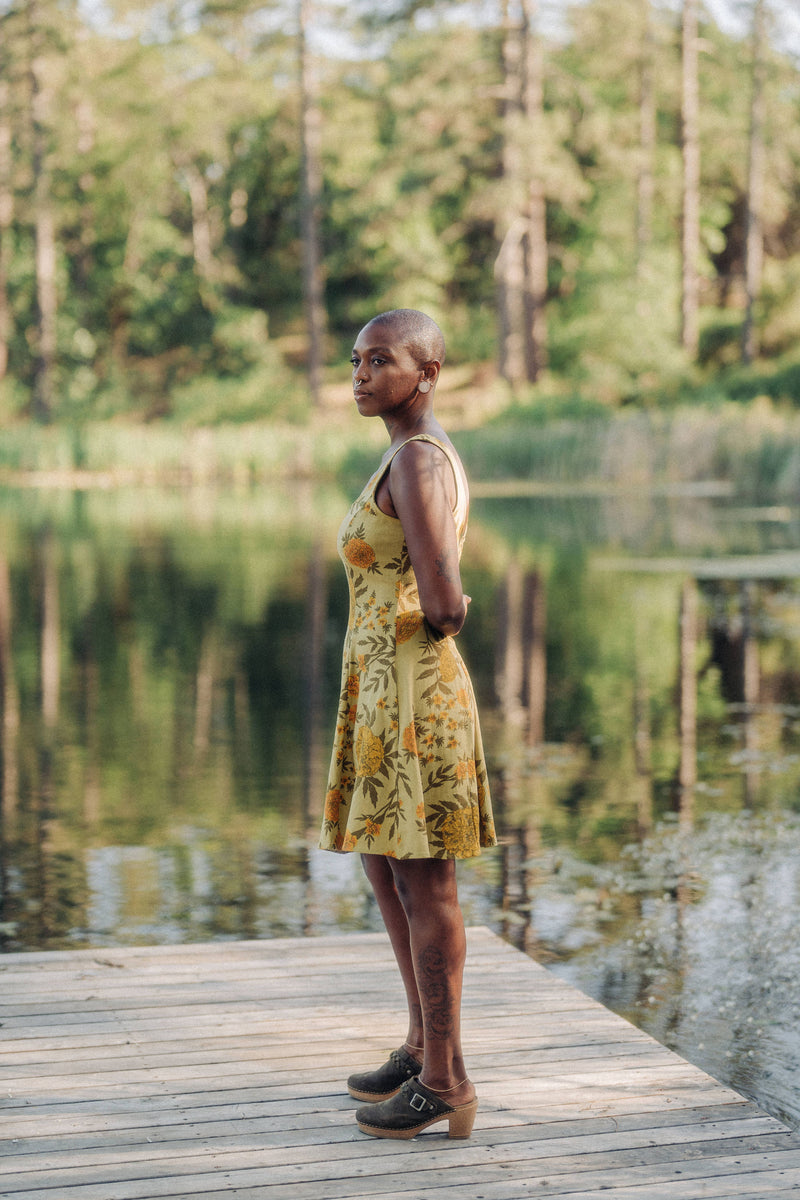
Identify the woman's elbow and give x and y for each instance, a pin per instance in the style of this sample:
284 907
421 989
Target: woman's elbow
446 620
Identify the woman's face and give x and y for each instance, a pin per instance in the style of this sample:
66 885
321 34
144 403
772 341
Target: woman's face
385 375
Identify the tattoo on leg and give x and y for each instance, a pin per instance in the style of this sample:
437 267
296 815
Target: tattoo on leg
434 988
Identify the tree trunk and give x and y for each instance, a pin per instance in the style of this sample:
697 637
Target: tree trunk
6 216
645 186
754 237
536 210
120 309
44 229
690 144
311 196
202 238
509 265
87 223
521 265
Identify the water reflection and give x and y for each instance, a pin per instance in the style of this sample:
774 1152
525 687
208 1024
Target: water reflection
168 675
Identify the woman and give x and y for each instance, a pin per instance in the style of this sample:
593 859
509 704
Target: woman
407 787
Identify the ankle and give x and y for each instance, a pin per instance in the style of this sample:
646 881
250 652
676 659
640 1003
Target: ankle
440 1091
457 1093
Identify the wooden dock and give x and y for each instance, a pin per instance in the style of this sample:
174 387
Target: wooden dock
216 1071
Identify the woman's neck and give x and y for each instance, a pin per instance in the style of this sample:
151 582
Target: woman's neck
401 430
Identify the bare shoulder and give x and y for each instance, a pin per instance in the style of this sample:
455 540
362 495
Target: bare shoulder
425 459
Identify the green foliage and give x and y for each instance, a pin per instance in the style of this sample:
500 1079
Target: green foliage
547 441
248 380
169 162
780 381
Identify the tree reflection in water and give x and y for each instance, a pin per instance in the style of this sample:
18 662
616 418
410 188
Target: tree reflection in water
168 679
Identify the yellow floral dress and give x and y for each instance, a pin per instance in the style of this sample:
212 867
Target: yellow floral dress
408 777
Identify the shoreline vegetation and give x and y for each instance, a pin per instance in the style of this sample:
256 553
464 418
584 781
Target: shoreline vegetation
748 450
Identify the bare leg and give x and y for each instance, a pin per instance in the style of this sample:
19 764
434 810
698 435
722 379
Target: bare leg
429 897
381 877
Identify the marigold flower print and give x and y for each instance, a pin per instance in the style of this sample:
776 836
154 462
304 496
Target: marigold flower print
410 739
461 832
448 667
332 802
368 751
359 553
407 625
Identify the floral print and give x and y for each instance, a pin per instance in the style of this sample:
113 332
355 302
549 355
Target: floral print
408 777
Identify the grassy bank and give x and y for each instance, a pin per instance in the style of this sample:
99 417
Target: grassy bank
754 447
107 453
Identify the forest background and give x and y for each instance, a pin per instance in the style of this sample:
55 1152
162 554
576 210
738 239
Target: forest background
200 203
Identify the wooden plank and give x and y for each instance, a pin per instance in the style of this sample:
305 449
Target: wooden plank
445 1173
197 1071
27 1133
303 1111
303 1145
303 1131
229 1048
242 1032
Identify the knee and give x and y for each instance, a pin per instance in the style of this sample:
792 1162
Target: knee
377 870
426 889
405 891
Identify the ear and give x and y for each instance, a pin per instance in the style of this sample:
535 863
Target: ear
430 371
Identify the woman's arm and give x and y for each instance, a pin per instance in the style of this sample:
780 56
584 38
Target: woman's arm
422 493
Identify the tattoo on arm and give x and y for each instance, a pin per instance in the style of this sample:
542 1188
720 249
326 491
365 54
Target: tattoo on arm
443 567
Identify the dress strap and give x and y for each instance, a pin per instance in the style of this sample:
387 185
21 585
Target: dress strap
462 499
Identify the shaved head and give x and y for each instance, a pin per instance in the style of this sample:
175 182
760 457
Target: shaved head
421 336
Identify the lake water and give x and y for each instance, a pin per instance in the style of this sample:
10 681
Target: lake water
169 666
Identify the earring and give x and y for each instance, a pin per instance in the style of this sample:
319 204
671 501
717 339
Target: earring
424 385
